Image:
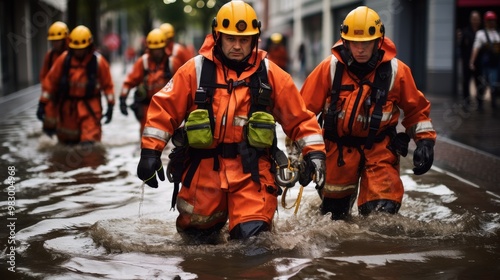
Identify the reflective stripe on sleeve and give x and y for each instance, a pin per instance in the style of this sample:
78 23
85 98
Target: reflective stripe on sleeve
314 139
45 95
420 127
156 133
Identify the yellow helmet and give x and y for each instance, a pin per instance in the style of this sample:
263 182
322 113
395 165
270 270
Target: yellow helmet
168 29
362 24
80 37
156 39
57 31
236 18
276 38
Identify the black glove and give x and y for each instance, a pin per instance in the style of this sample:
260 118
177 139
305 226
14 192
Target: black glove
40 112
109 113
313 165
149 166
123 105
423 156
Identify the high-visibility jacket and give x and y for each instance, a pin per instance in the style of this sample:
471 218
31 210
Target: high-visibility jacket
403 95
49 59
180 51
156 78
377 167
173 103
278 54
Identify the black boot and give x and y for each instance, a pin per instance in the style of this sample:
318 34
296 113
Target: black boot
339 207
381 205
248 229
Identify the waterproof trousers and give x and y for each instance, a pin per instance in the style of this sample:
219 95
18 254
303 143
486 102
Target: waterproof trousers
79 121
377 175
213 197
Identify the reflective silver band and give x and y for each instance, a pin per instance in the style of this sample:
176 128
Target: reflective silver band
45 95
156 133
420 127
337 188
185 208
240 120
314 139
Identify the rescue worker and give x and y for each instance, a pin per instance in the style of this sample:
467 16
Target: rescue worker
75 83
360 89
229 148
174 48
150 73
277 51
487 42
57 35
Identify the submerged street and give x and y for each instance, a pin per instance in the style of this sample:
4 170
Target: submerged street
81 213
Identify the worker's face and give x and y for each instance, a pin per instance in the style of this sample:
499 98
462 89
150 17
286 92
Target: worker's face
362 51
157 54
58 45
80 53
236 47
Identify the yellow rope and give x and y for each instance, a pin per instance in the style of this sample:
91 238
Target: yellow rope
296 204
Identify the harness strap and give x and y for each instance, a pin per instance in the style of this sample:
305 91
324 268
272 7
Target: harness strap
380 86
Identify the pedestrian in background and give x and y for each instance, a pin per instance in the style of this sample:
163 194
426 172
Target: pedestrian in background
359 91
487 44
57 35
75 83
466 40
149 74
229 97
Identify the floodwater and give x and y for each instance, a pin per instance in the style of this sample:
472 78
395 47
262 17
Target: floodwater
81 213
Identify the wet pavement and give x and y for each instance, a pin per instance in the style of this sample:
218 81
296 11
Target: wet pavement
81 214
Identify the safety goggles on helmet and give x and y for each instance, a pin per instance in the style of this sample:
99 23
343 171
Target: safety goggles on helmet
362 24
57 31
156 39
236 18
80 37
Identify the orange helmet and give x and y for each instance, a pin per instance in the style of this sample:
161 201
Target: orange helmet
156 39
168 29
80 37
236 18
362 24
57 31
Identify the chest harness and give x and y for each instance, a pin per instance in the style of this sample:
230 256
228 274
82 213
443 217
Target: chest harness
141 94
63 93
183 156
378 97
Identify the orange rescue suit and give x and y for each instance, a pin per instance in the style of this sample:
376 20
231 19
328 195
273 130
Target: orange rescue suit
155 79
79 117
379 175
228 193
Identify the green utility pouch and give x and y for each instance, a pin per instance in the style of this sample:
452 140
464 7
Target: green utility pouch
198 130
261 130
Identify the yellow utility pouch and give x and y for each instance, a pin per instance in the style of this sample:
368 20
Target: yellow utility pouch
198 130
261 130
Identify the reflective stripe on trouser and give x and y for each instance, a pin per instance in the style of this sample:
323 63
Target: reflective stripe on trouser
380 178
215 196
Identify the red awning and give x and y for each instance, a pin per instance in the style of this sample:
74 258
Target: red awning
477 3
